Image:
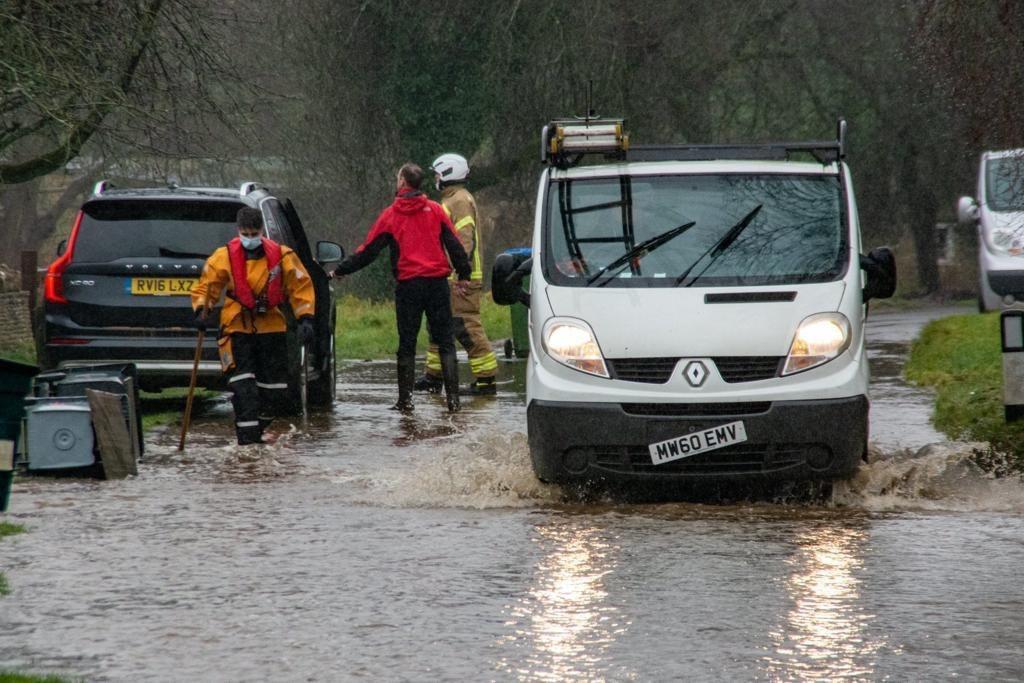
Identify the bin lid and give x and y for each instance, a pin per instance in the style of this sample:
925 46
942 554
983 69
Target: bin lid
13 367
519 251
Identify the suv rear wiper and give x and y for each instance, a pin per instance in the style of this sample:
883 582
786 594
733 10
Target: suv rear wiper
644 247
719 247
171 253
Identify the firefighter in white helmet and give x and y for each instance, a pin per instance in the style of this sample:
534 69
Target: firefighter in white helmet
450 174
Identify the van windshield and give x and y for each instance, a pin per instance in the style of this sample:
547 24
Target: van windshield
1004 183
701 230
153 229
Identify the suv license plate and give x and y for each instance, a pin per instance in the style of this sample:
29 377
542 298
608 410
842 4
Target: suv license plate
698 442
161 286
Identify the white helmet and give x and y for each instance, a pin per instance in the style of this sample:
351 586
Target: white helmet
452 168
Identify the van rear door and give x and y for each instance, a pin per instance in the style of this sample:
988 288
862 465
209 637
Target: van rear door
134 261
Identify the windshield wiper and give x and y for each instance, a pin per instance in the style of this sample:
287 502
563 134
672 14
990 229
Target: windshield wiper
171 253
645 247
719 247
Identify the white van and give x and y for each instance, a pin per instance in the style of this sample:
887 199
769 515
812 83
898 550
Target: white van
696 311
999 214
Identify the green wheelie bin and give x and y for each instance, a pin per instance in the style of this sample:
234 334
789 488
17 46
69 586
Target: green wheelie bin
520 342
15 384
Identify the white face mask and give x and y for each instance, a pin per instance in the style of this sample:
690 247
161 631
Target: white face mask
250 242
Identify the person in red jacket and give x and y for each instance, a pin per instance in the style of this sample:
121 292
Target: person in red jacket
421 240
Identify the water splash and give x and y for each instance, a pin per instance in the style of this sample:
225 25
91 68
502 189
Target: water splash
941 476
486 472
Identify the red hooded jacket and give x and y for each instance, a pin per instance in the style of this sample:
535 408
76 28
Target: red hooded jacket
421 239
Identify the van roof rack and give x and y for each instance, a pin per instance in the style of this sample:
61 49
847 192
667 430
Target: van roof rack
564 143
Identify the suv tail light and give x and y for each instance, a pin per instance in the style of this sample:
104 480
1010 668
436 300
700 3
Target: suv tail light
54 288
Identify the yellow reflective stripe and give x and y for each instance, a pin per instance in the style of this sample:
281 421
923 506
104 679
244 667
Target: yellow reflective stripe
464 221
447 211
483 364
478 272
434 361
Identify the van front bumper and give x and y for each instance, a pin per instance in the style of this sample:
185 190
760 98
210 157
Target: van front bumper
594 443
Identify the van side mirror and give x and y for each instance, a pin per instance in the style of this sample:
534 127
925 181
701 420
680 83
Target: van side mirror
880 267
507 280
329 252
62 247
966 210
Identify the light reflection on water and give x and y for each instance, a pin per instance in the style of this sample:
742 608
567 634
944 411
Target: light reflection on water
825 633
565 616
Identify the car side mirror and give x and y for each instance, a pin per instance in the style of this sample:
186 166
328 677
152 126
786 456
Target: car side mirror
329 252
62 247
507 280
880 268
966 210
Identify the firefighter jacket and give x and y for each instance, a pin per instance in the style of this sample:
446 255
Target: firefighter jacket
460 206
286 280
420 237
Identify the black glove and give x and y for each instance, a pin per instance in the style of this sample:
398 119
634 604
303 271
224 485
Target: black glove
199 321
305 330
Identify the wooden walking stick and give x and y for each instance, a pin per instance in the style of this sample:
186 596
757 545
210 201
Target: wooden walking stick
191 390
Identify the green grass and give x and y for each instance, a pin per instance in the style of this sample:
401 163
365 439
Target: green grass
8 530
168 406
366 329
11 677
960 357
23 353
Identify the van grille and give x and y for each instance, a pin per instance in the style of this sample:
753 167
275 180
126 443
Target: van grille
647 370
659 370
745 458
697 409
748 368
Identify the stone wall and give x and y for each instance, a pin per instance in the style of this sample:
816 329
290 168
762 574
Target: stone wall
15 321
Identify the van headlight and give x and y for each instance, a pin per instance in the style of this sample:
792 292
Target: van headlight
571 342
819 338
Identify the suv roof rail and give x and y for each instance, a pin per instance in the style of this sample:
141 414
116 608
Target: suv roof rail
248 187
101 187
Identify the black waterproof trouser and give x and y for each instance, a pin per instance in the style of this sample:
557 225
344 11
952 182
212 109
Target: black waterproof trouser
413 299
259 382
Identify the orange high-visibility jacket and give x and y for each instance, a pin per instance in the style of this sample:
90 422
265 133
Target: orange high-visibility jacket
234 317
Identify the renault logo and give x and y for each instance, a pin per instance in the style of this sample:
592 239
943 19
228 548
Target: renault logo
695 373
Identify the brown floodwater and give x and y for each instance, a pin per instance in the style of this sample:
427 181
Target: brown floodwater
368 545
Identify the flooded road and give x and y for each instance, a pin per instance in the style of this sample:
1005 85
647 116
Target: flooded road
422 548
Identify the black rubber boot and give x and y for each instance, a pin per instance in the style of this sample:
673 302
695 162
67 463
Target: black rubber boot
429 384
483 386
450 374
406 379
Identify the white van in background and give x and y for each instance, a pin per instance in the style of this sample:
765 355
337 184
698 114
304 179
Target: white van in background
696 311
998 212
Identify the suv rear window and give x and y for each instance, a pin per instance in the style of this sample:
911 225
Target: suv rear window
112 230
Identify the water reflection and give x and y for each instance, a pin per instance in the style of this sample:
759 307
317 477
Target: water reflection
565 621
825 633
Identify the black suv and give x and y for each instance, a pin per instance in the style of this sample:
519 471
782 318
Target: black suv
118 291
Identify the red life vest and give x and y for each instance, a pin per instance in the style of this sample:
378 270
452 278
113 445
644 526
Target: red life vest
243 293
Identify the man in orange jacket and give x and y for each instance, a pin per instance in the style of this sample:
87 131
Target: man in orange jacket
257 276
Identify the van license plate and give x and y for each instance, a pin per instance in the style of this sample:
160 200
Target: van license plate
698 442
161 286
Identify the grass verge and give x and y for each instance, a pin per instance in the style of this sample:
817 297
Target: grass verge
11 677
22 352
168 406
7 529
366 329
960 357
